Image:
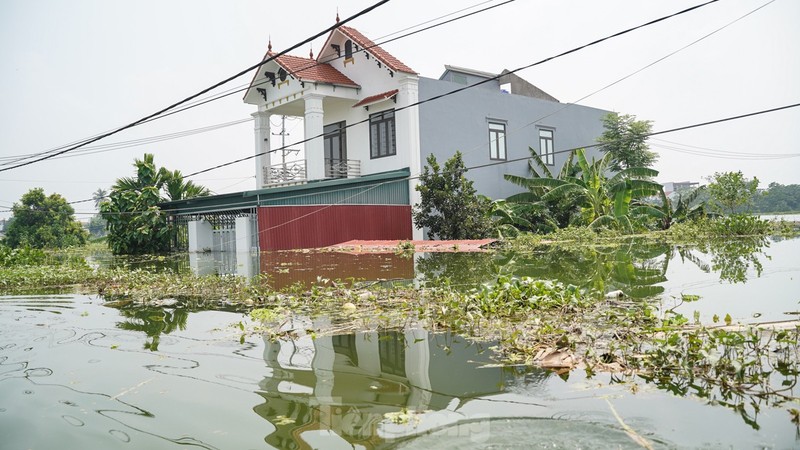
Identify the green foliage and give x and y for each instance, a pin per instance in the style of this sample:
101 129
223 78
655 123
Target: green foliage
42 221
509 218
601 202
778 198
97 226
625 139
135 223
740 225
22 256
449 206
731 191
686 207
543 215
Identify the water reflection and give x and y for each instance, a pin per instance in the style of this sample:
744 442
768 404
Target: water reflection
285 269
354 384
153 322
637 267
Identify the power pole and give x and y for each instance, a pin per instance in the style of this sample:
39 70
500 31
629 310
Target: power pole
283 135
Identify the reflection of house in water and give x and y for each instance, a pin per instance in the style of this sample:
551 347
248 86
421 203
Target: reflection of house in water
345 384
287 268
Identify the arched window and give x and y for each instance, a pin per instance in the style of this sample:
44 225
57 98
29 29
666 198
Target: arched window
348 49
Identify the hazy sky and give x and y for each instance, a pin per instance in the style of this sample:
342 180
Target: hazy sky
72 69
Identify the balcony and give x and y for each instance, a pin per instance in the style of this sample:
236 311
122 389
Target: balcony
342 168
285 174
294 172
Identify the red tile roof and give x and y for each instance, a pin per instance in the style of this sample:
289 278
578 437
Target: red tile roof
379 53
376 98
311 70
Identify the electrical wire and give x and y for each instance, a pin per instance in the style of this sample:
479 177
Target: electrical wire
248 204
204 100
482 82
198 94
477 84
94 149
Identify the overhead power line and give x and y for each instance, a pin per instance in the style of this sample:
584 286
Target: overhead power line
494 163
472 86
201 101
193 96
245 87
93 149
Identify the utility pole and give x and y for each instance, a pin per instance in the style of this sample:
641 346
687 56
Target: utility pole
283 135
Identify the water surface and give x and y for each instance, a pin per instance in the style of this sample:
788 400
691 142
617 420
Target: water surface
75 374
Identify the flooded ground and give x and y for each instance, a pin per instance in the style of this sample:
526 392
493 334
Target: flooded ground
76 374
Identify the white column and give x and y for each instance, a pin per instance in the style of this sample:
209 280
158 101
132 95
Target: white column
408 137
244 235
200 236
261 122
315 148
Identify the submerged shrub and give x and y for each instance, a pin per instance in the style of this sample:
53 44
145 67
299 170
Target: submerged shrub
23 256
740 225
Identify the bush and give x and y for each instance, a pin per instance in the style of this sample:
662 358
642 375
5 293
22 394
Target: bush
740 225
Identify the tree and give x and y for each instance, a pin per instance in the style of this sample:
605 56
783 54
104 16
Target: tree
731 191
135 222
177 188
603 201
42 221
449 206
544 215
625 139
99 196
778 198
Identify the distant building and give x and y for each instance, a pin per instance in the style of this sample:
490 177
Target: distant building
678 186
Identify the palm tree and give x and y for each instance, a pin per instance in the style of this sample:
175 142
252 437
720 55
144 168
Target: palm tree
178 189
99 196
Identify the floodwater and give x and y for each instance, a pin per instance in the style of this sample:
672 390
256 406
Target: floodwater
75 374
753 280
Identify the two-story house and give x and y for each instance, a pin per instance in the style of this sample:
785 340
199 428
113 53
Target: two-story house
370 121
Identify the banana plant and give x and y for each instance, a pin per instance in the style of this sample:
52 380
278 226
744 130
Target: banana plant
602 200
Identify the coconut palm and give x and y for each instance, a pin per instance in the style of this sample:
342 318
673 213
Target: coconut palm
176 188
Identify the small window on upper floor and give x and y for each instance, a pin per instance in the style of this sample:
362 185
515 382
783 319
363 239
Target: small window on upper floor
546 148
458 78
497 140
348 49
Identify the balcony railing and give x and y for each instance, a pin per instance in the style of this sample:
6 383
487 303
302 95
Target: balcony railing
342 168
285 174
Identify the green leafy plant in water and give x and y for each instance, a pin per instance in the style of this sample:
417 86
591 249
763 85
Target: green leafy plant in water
405 248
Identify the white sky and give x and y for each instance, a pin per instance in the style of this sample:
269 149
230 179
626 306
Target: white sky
72 69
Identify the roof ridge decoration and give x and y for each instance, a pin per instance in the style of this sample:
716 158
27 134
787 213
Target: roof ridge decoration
376 50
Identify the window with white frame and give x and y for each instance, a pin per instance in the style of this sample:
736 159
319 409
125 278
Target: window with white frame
546 149
497 140
382 134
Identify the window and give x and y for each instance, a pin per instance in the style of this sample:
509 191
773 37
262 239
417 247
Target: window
458 78
497 140
348 49
546 151
381 134
335 144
